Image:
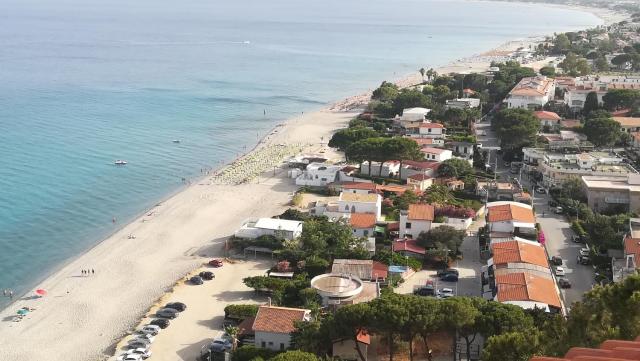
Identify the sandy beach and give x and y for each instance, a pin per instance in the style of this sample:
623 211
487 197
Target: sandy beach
83 317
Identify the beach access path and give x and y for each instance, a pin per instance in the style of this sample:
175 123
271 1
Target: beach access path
82 317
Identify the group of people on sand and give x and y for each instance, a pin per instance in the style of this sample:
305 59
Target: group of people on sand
250 166
87 272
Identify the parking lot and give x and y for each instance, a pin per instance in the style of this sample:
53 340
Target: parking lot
202 320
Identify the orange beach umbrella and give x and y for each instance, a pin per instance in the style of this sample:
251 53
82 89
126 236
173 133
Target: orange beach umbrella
41 292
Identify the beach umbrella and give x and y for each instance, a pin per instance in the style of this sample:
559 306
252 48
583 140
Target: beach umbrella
41 292
22 311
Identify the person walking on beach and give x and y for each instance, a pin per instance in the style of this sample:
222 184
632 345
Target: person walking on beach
93 272
10 294
83 272
4 292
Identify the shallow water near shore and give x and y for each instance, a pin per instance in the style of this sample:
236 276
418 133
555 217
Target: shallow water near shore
85 83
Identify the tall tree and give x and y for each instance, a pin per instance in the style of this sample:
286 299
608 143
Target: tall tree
511 346
455 167
422 72
343 138
389 318
295 355
591 102
602 132
352 320
516 128
621 98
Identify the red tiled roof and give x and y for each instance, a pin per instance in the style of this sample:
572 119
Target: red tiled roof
621 113
408 245
359 185
421 212
422 165
510 212
278 319
545 115
431 125
380 270
519 252
363 336
610 350
632 246
524 286
433 150
362 220
419 177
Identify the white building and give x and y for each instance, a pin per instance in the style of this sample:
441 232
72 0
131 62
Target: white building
388 168
431 130
532 93
278 228
318 175
436 154
576 96
360 203
464 103
510 217
416 219
414 114
363 224
273 326
419 181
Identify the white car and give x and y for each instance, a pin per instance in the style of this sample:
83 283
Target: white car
151 330
446 293
559 271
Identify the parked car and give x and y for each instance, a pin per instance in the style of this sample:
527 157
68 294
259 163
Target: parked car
206 275
160 322
558 210
178 306
576 239
144 352
129 357
584 260
584 251
427 290
146 337
136 344
220 345
215 263
541 190
556 260
449 277
167 313
447 271
445 293
196 280
559 271
564 283
151 329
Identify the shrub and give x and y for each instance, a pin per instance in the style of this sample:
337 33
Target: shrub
240 311
250 353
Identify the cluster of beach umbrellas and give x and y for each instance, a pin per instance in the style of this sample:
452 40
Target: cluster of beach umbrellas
250 166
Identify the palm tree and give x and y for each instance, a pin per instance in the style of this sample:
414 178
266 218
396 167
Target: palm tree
233 332
422 71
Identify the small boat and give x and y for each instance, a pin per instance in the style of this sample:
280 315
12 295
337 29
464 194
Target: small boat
120 162
176 140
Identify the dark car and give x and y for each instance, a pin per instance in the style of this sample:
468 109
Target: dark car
576 239
564 283
427 290
196 280
447 271
160 322
206 275
167 313
556 261
449 277
178 306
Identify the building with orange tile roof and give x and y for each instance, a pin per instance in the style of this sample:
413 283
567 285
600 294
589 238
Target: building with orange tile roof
363 224
519 253
547 118
419 182
510 217
629 124
416 219
528 291
531 93
610 350
273 326
408 247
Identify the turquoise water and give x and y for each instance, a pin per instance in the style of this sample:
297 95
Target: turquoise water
83 83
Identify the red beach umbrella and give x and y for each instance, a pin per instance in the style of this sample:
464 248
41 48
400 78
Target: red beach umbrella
41 292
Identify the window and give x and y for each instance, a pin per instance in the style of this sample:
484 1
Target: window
366 233
263 344
281 347
407 225
429 130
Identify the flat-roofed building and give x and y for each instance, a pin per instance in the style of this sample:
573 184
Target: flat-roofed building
606 192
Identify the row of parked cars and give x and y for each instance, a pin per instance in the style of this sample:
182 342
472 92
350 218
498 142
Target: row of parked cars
139 347
429 289
557 262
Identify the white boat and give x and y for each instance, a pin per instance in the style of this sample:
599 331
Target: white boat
120 162
176 140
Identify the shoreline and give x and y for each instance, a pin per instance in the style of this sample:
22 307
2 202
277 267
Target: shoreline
181 258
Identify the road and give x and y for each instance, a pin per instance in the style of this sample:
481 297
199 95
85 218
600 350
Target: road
555 227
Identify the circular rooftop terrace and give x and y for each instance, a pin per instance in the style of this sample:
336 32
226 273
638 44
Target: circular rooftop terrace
339 287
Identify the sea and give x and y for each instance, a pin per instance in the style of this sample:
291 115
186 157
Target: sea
86 82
